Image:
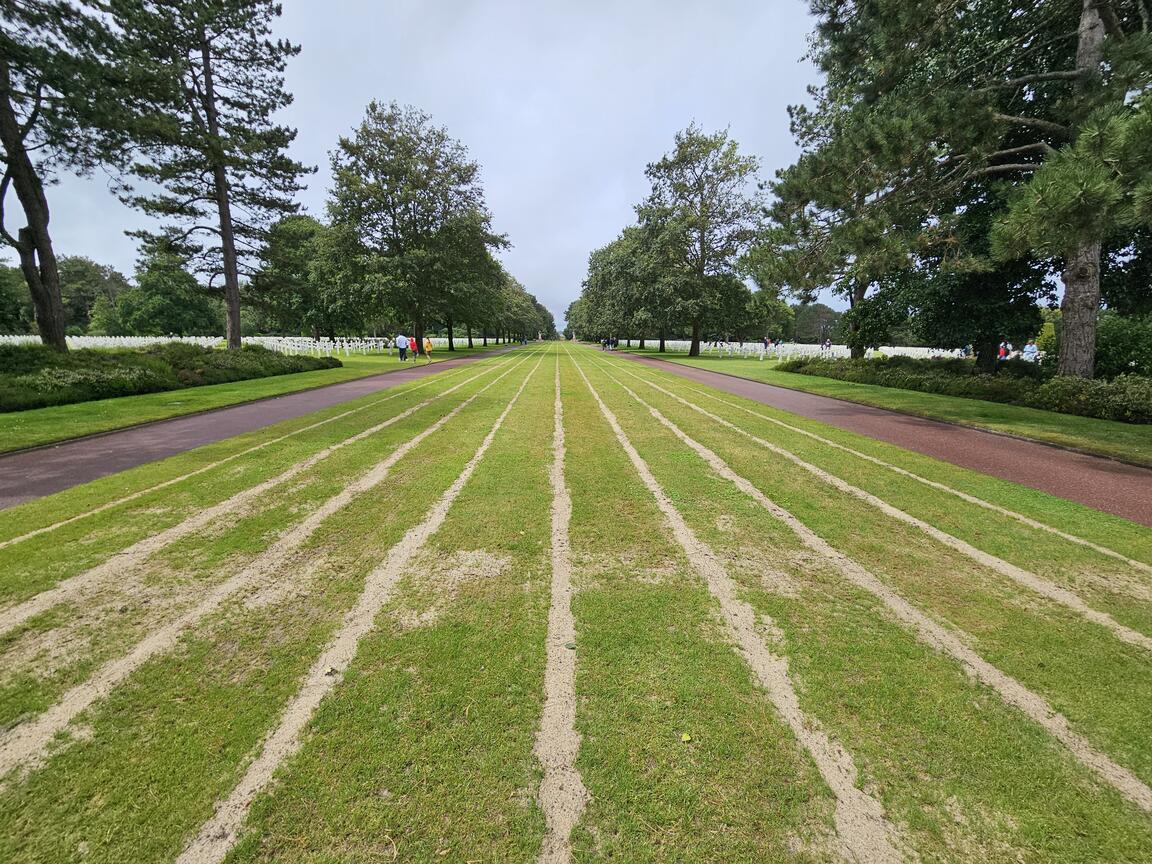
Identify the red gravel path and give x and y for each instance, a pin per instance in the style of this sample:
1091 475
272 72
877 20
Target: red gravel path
1114 487
30 474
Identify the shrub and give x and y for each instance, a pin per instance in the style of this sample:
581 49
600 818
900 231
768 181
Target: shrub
35 376
1127 398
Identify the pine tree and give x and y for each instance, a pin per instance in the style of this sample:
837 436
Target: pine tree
214 148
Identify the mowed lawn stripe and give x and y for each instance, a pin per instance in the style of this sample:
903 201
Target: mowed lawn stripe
864 833
47 559
25 746
217 836
931 632
654 667
231 507
132 496
562 793
966 776
1025 578
144 768
424 753
1143 566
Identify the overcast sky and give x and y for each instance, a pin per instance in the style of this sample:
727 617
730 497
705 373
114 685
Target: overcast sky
562 104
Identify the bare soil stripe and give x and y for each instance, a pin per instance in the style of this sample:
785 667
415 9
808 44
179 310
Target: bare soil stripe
134 555
26 746
942 487
865 834
220 833
1019 575
125 499
932 633
562 794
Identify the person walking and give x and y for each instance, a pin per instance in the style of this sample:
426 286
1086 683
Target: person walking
428 349
402 347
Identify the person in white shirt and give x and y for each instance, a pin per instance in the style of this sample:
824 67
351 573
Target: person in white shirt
402 346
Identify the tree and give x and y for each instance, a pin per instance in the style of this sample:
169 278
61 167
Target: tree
703 212
62 102
16 314
928 106
215 151
166 300
82 283
815 322
399 185
305 281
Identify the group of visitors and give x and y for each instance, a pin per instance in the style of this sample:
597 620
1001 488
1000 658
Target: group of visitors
404 345
1030 353
609 344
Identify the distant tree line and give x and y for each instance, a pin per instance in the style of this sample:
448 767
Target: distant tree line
177 101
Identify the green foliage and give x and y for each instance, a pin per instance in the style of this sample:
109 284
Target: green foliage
16 316
407 199
815 322
1124 345
166 301
35 376
82 283
1127 398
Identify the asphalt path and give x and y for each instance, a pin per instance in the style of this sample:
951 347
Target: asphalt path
1101 483
29 474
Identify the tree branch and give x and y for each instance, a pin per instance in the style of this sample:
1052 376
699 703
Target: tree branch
34 115
1038 147
1013 83
1007 168
8 238
1035 123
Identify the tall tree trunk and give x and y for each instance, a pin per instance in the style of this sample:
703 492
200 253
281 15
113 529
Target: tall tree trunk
1079 310
628 342
484 334
662 334
418 335
641 345
33 244
223 202
469 326
986 355
451 344
694 348
1082 265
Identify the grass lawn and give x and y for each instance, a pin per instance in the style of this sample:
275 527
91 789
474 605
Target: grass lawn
1128 441
20 429
354 664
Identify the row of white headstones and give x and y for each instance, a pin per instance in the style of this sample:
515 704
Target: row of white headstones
369 345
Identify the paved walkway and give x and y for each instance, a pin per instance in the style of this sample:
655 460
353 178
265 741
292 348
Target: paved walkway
1104 484
31 474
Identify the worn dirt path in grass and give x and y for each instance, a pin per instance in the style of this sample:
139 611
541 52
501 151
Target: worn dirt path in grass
1114 487
31 474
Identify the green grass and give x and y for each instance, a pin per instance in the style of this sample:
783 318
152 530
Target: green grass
21 429
424 750
1126 441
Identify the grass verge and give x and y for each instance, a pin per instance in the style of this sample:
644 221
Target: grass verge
23 429
1127 441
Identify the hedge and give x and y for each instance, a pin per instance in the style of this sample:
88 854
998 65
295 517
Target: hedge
1127 398
35 376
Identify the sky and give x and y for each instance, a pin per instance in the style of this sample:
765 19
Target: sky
562 104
